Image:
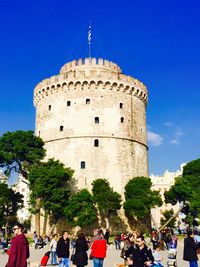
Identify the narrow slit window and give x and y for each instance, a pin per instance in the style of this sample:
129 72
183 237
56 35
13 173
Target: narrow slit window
82 164
68 103
96 142
61 128
49 107
87 101
122 119
96 119
120 105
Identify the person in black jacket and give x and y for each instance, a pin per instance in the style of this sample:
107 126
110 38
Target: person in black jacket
62 250
80 255
190 250
139 255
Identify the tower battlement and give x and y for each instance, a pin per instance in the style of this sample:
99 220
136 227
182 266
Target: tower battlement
83 74
90 63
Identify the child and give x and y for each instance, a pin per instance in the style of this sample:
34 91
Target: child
157 257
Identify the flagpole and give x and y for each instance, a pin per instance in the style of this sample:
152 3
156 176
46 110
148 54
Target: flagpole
89 39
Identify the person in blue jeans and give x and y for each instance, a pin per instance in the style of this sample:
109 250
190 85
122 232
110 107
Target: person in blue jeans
98 248
190 250
53 246
62 250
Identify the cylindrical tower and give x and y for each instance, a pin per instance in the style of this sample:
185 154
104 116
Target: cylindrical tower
93 119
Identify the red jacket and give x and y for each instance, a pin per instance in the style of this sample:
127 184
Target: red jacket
19 252
98 249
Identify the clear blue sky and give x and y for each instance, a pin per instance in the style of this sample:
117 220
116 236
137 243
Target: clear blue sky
155 41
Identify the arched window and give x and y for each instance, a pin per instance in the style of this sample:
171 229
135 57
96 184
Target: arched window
87 101
96 142
49 107
120 105
61 128
122 119
82 164
96 119
68 103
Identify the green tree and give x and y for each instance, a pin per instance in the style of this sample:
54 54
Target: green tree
139 199
10 202
51 185
107 200
81 210
167 215
20 149
186 189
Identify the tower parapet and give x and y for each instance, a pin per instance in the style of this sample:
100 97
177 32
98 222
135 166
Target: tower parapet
86 73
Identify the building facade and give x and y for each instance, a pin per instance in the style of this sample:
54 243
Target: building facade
163 184
92 118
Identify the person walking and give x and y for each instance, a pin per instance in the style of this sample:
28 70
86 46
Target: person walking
62 250
190 250
19 250
80 255
140 255
53 246
98 248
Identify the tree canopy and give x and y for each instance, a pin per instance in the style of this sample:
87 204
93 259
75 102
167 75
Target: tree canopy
139 198
187 187
50 182
20 149
108 201
81 210
10 203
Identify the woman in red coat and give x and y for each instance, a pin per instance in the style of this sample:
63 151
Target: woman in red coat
98 248
19 250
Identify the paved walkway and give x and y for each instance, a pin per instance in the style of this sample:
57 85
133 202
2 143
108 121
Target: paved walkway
113 257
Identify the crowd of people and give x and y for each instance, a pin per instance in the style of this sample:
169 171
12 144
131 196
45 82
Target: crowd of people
132 246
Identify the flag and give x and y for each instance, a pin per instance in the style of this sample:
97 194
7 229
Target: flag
90 35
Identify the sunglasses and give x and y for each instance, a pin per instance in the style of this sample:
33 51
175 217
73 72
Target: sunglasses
15 228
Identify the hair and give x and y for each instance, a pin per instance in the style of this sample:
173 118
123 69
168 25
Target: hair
63 232
56 235
189 233
141 237
19 225
81 236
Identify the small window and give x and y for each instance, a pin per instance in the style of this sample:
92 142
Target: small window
61 128
96 142
87 101
39 133
122 119
120 105
49 107
96 119
68 103
82 164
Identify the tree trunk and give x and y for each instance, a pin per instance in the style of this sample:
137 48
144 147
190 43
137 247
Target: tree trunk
107 223
37 217
45 223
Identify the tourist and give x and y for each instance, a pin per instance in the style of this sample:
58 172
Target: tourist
140 255
53 246
190 249
80 258
19 250
98 248
62 250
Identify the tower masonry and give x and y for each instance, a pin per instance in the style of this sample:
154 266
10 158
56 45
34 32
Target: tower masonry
92 118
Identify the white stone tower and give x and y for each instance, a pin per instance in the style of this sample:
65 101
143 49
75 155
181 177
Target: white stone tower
93 119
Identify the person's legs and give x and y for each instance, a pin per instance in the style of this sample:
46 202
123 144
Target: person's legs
53 258
193 264
96 262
